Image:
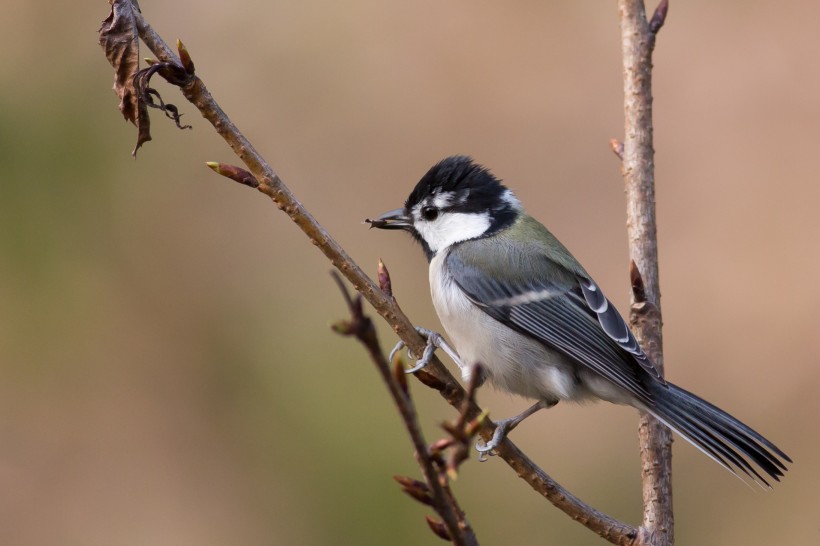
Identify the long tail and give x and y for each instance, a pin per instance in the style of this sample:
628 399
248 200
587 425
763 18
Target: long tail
729 442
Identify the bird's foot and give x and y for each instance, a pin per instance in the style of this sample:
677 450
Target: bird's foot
505 426
502 428
434 341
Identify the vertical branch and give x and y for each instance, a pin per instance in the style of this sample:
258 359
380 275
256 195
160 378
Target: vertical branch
637 43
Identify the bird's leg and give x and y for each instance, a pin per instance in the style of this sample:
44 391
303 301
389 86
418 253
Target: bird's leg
505 426
434 341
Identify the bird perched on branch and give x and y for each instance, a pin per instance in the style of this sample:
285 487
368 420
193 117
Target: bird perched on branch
512 298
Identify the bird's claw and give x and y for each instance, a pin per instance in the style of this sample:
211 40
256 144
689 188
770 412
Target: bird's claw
434 341
486 448
504 426
399 346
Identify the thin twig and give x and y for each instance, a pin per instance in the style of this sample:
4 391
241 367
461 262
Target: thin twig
361 327
637 42
435 374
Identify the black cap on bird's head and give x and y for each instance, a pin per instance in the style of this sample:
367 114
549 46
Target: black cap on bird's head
465 186
474 200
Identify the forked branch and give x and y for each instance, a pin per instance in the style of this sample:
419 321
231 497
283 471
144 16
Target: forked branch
260 175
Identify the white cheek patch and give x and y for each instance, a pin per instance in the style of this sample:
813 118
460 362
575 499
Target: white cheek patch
452 227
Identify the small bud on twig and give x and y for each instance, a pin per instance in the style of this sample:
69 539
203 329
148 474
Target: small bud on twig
416 489
235 173
438 527
185 58
419 495
659 17
617 147
638 289
343 328
384 280
406 480
440 445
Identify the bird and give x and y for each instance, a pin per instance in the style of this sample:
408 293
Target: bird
513 299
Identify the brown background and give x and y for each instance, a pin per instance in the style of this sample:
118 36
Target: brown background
167 375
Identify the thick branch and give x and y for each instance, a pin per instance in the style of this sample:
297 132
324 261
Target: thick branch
435 374
638 41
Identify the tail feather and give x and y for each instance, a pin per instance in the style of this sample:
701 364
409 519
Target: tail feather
706 438
738 426
732 444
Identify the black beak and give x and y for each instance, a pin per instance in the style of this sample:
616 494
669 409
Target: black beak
395 219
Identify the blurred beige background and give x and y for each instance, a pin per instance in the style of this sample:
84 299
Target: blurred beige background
167 374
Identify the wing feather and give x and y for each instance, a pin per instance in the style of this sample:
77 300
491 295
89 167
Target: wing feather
614 325
570 317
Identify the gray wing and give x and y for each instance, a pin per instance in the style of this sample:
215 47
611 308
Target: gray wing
574 318
614 325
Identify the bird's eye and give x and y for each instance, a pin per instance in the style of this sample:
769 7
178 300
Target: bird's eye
429 213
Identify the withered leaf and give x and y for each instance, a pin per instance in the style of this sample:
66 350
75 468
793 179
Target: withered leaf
148 96
120 41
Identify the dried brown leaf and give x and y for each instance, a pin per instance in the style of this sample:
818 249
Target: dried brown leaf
120 41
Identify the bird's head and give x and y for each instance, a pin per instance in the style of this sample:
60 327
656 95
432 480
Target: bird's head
455 201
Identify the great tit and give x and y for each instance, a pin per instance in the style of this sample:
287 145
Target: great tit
512 298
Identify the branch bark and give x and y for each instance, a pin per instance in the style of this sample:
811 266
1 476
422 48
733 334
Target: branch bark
638 168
